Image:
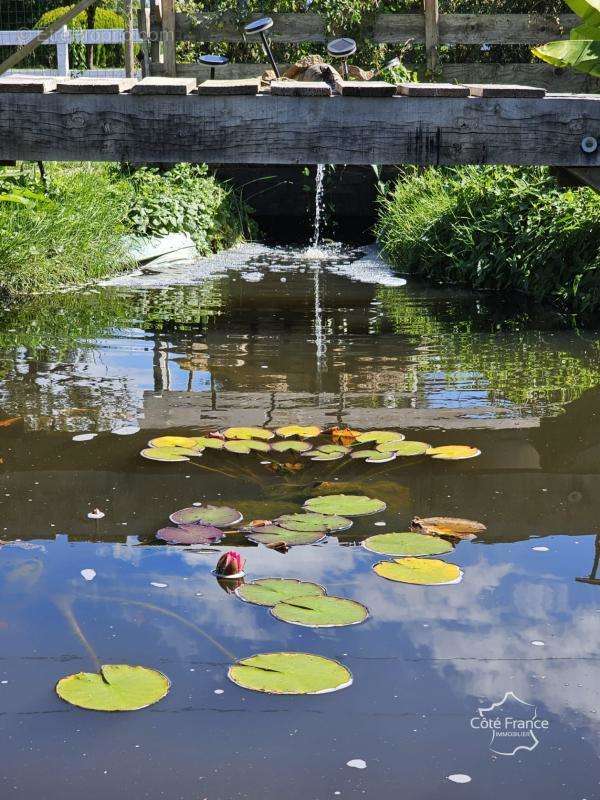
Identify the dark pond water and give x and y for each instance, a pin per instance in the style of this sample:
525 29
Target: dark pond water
263 337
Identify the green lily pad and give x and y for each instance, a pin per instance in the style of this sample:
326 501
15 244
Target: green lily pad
373 456
320 455
313 522
190 534
419 571
118 687
219 516
292 446
347 505
246 446
404 448
271 534
407 544
248 433
303 431
320 611
270 591
290 673
379 437
210 442
170 453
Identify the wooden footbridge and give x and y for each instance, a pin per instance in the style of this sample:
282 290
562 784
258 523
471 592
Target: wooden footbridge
174 114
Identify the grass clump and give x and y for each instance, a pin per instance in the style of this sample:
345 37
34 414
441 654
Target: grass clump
499 228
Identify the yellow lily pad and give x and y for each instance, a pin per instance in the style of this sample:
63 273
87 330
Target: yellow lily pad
248 433
419 571
302 431
175 441
379 437
243 446
453 452
170 453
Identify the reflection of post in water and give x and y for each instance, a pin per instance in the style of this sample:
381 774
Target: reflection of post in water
160 366
593 579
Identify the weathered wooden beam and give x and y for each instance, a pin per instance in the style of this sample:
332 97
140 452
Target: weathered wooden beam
299 130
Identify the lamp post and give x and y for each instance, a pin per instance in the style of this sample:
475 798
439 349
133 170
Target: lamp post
259 27
342 49
213 62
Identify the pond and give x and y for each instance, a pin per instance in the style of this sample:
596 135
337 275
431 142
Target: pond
271 337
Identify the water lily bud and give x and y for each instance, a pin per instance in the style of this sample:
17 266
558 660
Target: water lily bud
230 563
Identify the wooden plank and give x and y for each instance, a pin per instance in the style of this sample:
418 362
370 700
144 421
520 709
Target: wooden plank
432 90
301 88
164 86
504 28
285 130
226 27
588 176
368 89
248 86
398 28
504 90
432 34
169 37
95 85
129 50
28 84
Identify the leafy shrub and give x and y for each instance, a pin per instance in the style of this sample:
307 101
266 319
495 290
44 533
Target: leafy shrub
185 199
502 228
104 55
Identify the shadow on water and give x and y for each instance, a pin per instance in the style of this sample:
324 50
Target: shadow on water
269 337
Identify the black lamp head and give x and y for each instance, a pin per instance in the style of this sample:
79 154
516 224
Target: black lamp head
210 60
259 25
341 48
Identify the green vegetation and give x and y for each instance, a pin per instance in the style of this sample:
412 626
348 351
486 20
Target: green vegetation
582 50
68 229
499 228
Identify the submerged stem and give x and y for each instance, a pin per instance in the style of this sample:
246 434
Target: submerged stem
65 606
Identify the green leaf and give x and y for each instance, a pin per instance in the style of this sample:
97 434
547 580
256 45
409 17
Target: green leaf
290 673
169 453
270 591
313 522
248 433
220 516
406 448
407 544
347 505
379 437
118 687
272 534
589 32
320 611
419 571
291 445
246 446
588 10
583 55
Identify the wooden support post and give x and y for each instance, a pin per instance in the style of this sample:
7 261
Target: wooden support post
155 27
144 29
168 31
62 53
432 35
129 53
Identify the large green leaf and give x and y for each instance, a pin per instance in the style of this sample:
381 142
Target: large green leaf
270 591
588 10
583 55
589 32
273 534
219 516
407 544
290 673
347 505
118 687
313 522
320 611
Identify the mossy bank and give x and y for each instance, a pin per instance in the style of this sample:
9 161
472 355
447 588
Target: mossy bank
496 228
69 227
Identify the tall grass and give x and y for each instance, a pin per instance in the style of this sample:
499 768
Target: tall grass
500 228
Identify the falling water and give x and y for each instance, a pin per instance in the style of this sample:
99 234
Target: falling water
319 192
319 335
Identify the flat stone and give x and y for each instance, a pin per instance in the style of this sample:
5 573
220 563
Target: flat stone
96 85
165 86
368 89
26 83
504 90
433 90
300 89
225 87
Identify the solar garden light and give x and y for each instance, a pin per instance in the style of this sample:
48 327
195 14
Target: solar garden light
260 26
213 62
342 49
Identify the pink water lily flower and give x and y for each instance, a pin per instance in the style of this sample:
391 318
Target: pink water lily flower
230 563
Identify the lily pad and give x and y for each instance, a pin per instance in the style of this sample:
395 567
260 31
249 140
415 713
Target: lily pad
118 687
320 611
272 534
219 516
270 591
248 433
373 456
292 445
321 455
379 437
303 431
190 534
347 505
313 522
170 453
407 544
246 446
453 452
403 448
175 441
419 571
210 442
449 526
290 673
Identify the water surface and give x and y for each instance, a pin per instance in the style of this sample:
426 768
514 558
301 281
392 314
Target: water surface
269 337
